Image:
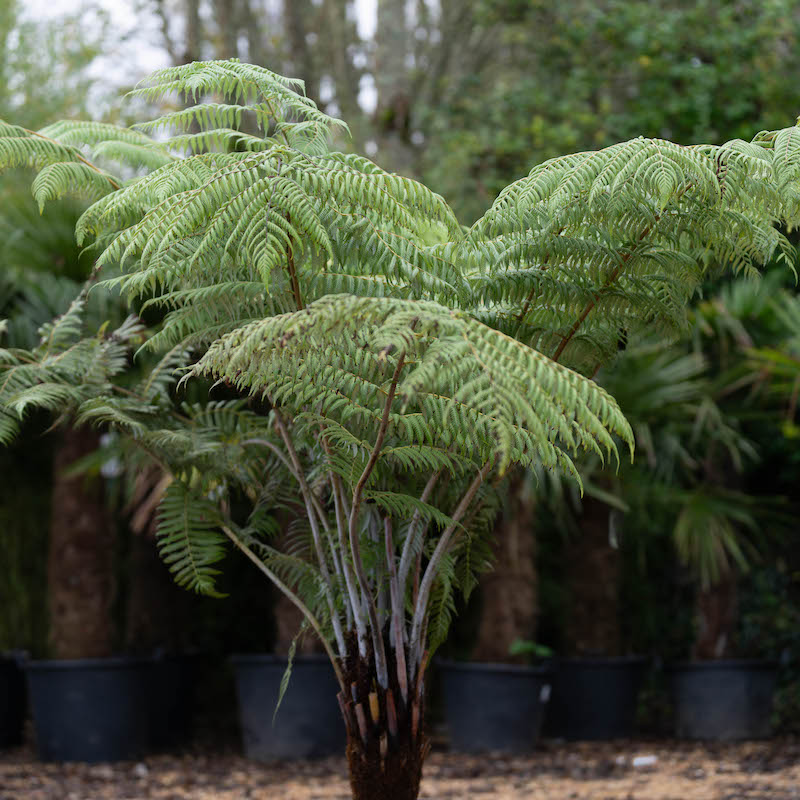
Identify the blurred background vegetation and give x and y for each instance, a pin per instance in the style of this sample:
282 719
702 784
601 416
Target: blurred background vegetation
693 550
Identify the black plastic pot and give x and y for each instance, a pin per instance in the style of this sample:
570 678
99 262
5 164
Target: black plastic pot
723 700
12 702
595 698
308 723
170 699
90 709
496 707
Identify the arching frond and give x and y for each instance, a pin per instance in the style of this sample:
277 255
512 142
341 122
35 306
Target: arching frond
626 233
479 391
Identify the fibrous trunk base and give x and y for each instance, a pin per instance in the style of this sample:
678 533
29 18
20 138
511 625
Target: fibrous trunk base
393 776
386 743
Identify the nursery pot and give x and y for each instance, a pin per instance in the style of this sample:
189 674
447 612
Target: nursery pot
308 723
12 702
493 706
170 700
90 709
723 699
595 698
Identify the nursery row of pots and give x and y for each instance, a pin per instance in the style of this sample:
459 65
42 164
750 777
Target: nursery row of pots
113 709
502 707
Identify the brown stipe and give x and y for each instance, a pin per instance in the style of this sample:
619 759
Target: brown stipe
391 713
374 707
362 722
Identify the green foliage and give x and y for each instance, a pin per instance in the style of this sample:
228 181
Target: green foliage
467 389
44 64
582 75
188 538
531 650
392 365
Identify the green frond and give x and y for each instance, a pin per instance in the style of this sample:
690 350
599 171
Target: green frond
404 506
75 178
224 139
615 233
269 95
89 132
189 539
479 391
23 148
148 156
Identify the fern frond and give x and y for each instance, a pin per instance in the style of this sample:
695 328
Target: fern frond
497 396
635 223
270 95
57 180
189 540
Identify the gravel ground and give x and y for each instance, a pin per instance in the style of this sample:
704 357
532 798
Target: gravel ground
635 770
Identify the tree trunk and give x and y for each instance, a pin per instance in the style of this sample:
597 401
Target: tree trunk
193 31
343 35
393 113
592 573
227 19
509 590
80 555
386 742
297 15
716 612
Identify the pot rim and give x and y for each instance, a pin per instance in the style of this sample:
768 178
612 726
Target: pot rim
723 663
496 668
603 661
112 662
254 659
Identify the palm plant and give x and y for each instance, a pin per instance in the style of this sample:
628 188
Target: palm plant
690 404
387 365
779 363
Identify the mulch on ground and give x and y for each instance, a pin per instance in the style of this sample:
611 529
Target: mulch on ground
635 770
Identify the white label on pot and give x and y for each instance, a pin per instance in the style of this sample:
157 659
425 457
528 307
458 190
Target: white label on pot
544 694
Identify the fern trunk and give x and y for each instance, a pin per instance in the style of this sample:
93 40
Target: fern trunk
509 590
386 743
80 556
593 574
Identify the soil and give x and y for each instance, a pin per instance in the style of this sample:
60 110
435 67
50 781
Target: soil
583 771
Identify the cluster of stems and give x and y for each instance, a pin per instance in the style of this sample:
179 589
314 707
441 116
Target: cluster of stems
370 602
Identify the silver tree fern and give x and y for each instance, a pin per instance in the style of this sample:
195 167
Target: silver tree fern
396 364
